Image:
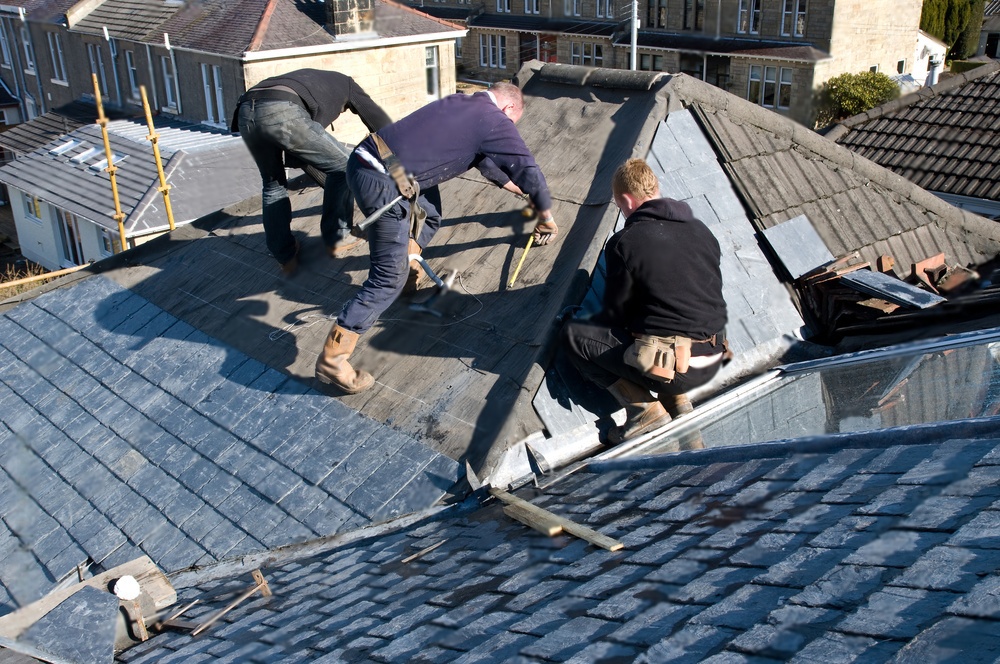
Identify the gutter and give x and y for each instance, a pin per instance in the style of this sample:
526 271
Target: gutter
354 45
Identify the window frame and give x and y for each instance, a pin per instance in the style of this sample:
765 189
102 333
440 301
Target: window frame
211 81
5 52
70 240
748 17
169 76
793 18
133 75
432 70
97 67
32 206
56 55
29 61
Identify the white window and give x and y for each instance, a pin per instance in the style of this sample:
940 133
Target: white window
29 62
764 87
493 51
97 67
749 17
530 6
108 242
591 55
32 207
211 79
574 53
133 75
58 64
873 69
605 9
793 18
168 82
901 67
459 41
503 6
4 44
69 232
571 7
431 65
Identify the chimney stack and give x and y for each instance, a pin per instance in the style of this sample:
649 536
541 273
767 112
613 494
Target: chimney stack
933 71
350 17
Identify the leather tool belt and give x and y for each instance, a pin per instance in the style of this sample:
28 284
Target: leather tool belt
661 358
273 94
407 185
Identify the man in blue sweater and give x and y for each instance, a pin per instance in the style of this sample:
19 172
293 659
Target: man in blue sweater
661 327
288 115
438 142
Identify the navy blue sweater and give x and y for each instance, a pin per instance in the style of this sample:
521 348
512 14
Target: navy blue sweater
449 136
663 274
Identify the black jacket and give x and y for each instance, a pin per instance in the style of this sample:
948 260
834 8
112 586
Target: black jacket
326 95
663 274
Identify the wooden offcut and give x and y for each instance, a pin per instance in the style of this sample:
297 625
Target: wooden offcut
551 524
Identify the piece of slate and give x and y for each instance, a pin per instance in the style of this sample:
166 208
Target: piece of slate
798 245
81 629
890 289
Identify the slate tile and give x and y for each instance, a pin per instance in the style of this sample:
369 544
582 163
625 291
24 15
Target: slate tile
758 494
691 643
174 554
550 616
979 481
860 488
852 532
631 601
569 638
983 601
838 467
737 534
363 460
241 502
944 466
895 548
769 549
745 607
501 647
945 513
270 479
947 568
982 531
713 585
663 550
843 587
802 568
896 613
527 599
896 501
329 517
780 643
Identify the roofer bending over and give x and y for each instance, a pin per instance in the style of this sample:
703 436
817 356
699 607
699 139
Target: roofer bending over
661 326
409 158
288 115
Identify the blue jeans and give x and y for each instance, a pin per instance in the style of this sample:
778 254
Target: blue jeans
388 243
271 128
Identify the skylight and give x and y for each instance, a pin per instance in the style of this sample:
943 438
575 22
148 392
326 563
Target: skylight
102 164
85 155
65 147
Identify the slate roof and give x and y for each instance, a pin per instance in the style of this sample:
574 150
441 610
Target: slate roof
862 547
533 24
992 8
453 389
236 27
33 134
943 138
124 431
188 153
727 46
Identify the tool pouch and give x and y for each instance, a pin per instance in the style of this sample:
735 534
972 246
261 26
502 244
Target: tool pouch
406 184
659 358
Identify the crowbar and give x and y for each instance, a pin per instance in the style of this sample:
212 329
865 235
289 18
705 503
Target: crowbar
517 270
373 217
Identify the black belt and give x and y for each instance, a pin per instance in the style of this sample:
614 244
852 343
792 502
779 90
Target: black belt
272 94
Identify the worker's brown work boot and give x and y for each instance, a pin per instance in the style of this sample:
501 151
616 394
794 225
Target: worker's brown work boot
642 412
332 366
676 404
346 243
291 266
414 278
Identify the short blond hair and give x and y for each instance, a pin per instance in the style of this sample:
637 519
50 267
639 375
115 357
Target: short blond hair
508 93
637 179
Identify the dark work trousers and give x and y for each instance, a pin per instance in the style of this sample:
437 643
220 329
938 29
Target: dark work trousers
271 128
598 353
388 242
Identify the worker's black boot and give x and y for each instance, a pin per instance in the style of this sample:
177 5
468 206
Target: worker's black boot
413 279
332 366
676 404
643 413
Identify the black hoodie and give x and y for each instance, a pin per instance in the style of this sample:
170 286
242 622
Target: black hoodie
663 274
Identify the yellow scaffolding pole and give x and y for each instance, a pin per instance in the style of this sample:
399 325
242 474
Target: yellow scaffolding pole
119 216
154 138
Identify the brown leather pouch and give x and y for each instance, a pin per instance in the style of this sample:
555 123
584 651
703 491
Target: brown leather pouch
659 358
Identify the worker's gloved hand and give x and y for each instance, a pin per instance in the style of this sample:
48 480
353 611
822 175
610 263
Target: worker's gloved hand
545 232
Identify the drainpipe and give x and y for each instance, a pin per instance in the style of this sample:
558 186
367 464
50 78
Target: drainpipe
635 31
933 71
173 64
152 77
34 57
114 64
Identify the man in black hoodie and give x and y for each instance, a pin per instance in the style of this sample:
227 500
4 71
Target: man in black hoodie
288 114
661 327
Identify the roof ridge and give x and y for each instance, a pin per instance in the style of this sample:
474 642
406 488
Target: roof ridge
265 21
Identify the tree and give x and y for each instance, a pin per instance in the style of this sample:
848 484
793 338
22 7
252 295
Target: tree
968 40
849 94
947 19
